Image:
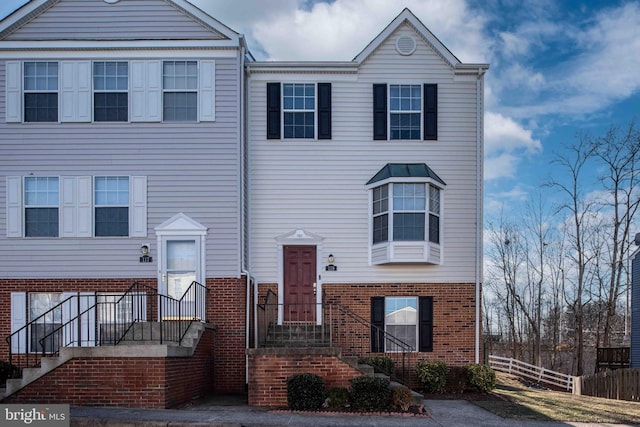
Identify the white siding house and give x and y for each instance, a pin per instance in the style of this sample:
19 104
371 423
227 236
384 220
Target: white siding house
317 184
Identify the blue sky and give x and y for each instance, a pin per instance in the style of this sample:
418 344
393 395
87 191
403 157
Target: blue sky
558 67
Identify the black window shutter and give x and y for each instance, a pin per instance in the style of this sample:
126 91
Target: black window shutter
430 111
377 324
425 324
324 110
380 111
273 110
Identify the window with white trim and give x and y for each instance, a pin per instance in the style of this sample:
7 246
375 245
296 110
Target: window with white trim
41 91
434 214
110 91
299 110
404 219
180 91
405 111
41 201
111 201
46 333
401 321
76 206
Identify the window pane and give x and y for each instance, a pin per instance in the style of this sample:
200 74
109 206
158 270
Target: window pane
408 226
111 107
299 125
41 191
434 228
112 222
181 255
41 222
180 106
405 103
45 334
380 199
434 199
401 321
40 107
381 228
112 191
408 197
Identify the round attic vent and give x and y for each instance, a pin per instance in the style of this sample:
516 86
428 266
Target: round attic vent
406 45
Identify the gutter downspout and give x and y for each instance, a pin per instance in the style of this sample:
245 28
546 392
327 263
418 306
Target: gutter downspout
243 195
479 206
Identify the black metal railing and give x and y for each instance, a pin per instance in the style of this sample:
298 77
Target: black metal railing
98 319
331 325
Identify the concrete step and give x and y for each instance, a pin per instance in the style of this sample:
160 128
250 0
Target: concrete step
48 364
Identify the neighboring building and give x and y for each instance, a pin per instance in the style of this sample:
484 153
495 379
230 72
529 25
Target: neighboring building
356 193
121 128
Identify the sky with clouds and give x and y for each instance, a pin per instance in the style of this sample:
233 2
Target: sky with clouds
558 68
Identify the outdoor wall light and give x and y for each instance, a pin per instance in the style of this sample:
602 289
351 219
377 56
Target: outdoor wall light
144 250
330 259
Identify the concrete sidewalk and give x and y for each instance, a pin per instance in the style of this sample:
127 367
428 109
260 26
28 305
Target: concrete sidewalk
449 413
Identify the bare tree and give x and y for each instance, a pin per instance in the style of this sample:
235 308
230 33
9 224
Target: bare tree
619 151
574 164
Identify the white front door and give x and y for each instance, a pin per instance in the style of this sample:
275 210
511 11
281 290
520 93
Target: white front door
180 268
181 254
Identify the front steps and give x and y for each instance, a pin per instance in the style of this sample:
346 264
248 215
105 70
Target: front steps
133 346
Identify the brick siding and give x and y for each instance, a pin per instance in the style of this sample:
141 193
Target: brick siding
454 306
142 382
270 369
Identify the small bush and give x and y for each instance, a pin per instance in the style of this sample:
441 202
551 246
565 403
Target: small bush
7 370
383 364
481 378
401 398
371 393
432 375
337 398
456 380
305 392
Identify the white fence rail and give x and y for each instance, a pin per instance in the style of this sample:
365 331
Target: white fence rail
532 372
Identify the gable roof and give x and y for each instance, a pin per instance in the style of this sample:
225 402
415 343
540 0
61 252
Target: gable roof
34 8
405 170
407 16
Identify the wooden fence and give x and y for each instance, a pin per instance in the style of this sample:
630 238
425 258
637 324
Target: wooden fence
532 372
621 384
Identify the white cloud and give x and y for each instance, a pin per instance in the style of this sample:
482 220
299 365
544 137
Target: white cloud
293 30
603 72
506 142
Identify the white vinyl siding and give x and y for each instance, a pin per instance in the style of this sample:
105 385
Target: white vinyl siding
335 203
92 20
191 168
75 91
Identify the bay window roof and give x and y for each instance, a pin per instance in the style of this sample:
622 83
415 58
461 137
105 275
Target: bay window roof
406 170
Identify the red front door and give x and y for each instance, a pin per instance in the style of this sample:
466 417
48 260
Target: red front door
299 283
